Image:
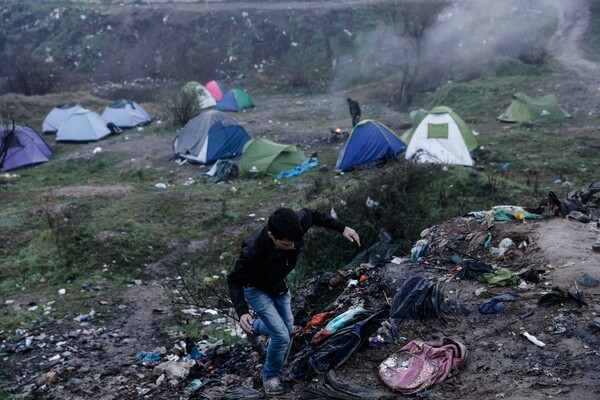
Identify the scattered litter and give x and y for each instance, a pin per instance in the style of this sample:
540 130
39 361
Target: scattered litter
97 150
174 369
555 329
419 249
533 339
145 357
371 203
50 378
85 317
160 185
505 245
62 291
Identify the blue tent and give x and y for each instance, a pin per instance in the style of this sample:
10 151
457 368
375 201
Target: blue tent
234 100
210 136
21 146
369 140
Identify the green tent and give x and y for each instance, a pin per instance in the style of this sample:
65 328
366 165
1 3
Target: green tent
525 109
442 111
261 157
441 136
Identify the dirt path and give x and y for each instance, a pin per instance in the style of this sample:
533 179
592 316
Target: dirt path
566 45
567 246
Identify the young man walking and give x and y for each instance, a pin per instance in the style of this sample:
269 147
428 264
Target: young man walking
257 281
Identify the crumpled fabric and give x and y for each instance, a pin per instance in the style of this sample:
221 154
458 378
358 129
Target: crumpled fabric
221 170
509 213
472 269
333 387
496 304
309 163
559 295
500 277
418 298
147 356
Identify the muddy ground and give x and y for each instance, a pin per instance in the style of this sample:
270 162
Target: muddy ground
96 360
89 359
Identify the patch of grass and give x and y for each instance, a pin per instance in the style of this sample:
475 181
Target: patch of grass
507 66
485 97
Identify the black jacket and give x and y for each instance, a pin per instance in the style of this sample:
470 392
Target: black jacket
264 267
354 108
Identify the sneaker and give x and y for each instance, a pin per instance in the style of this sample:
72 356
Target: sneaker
272 385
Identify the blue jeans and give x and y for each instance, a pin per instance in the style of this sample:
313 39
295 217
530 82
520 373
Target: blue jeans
275 320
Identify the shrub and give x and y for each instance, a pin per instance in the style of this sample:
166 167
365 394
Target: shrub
507 66
182 107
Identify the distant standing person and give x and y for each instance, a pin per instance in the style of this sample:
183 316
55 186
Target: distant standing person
354 111
257 281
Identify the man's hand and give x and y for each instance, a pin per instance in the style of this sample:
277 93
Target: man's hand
351 235
246 323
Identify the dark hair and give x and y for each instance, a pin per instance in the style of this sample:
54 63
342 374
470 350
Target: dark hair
348 99
285 224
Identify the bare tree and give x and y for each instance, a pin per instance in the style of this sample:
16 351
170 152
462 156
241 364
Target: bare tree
7 137
411 20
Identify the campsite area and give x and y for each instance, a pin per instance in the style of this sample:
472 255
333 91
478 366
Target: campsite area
116 249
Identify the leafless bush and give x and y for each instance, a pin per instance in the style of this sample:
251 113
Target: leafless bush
182 107
194 287
66 230
492 180
534 179
7 136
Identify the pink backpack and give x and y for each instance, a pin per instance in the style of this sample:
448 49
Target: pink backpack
419 365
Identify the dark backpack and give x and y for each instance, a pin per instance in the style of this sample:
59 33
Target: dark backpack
338 347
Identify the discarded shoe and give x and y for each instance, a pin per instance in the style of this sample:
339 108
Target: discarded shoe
258 343
272 385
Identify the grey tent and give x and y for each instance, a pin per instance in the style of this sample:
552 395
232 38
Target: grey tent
82 126
58 115
125 114
210 136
